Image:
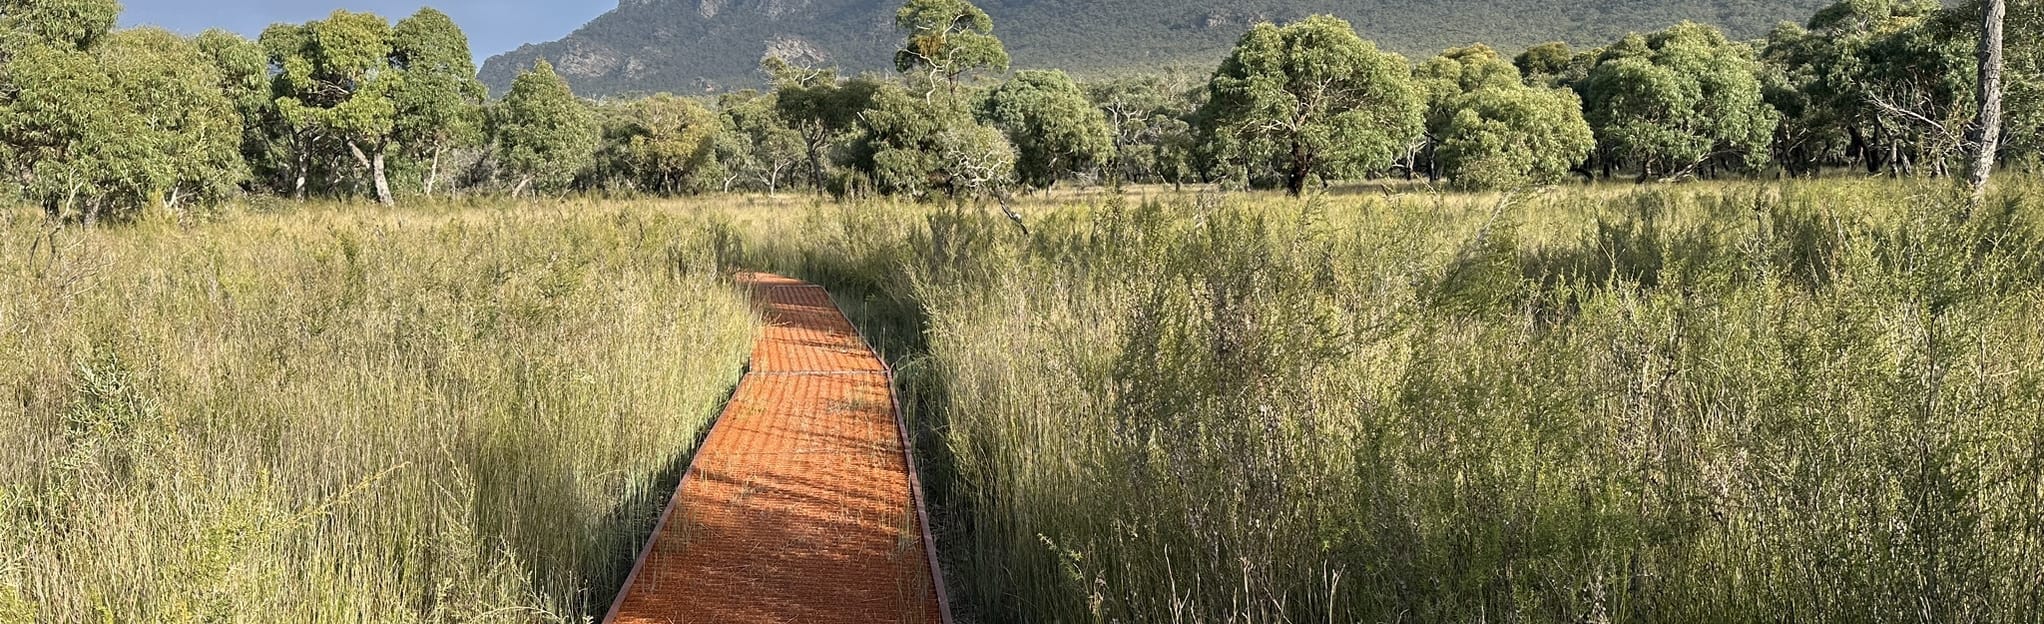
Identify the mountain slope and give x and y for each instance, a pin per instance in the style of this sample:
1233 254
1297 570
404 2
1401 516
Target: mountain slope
708 45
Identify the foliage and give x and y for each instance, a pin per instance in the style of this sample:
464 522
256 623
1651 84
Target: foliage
757 145
1056 131
1150 120
822 107
660 144
1512 137
193 127
913 146
97 133
947 38
334 88
64 24
439 102
1680 99
1309 99
545 136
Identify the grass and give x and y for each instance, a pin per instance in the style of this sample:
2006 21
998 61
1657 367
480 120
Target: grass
1711 403
1809 401
338 414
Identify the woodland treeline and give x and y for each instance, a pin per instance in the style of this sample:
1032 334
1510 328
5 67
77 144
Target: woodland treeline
101 124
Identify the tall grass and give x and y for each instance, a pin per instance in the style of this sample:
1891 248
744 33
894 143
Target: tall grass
347 414
1753 402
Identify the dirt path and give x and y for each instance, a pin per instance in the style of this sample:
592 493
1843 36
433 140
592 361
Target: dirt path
802 505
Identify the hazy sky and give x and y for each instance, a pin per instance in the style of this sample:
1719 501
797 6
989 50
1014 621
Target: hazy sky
493 26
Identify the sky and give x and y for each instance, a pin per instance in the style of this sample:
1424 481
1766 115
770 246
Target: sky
493 26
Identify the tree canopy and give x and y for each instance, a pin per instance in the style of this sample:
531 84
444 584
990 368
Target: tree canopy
545 137
1679 99
947 38
1055 130
1310 99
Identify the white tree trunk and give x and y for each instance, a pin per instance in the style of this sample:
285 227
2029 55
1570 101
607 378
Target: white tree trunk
1987 127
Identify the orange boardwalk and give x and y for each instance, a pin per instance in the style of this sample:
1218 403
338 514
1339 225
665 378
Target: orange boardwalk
802 506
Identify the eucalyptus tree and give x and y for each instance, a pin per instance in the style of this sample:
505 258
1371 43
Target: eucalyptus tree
1310 99
97 124
1148 117
545 137
335 88
1679 100
245 79
946 39
439 101
908 145
75 25
1511 137
1859 81
1987 125
822 107
1055 130
1445 81
191 133
1552 64
661 144
757 143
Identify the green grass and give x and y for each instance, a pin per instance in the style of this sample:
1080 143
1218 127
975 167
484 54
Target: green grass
349 415
1808 401
1712 403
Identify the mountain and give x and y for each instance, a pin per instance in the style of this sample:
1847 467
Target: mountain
695 46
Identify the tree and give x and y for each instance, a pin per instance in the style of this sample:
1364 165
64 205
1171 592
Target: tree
1876 82
908 145
947 38
1511 137
756 142
1446 81
820 106
1054 129
95 125
244 69
1678 100
545 136
64 24
1153 140
438 102
192 130
1547 64
1311 99
662 144
335 85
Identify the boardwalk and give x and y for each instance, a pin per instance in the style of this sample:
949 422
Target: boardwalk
802 505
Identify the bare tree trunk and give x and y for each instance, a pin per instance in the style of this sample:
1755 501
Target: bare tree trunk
375 167
304 163
433 174
383 195
1987 127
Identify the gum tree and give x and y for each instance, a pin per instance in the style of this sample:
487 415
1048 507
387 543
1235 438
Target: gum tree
1678 100
334 88
1055 130
95 125
545 136
1310 99
946 39
439 102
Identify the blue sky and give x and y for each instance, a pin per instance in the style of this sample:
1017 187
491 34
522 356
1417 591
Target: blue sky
493 26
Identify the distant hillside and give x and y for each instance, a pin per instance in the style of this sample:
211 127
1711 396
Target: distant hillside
708 45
